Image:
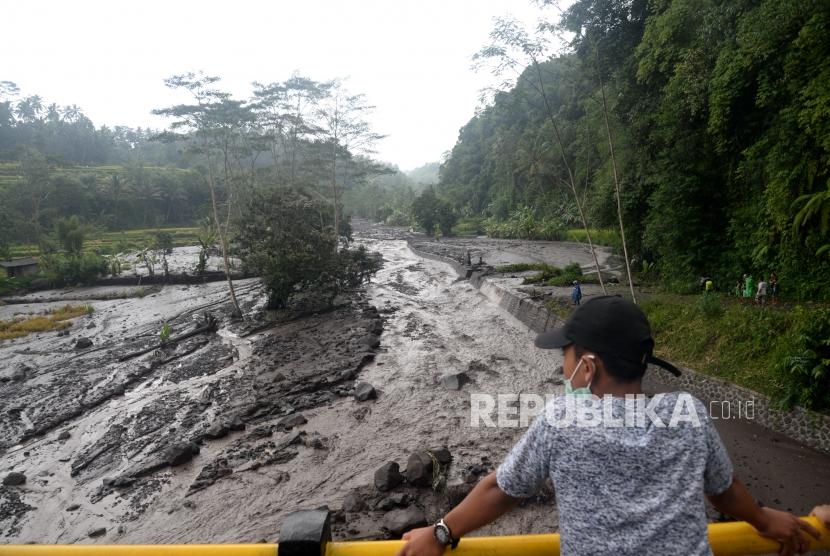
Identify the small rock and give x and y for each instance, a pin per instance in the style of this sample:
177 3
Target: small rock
397 500
72 507
64 435
399 522
370 340
91 326
388 476
419 469
180 453
83 343
290 421
353 503
15 478
455 381
218 429
97 532
364 391
20 372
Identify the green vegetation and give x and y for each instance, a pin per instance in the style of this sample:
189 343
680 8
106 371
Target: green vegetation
782 353
718 114
610 238
56 319
287 238
164 333
549 275
430 211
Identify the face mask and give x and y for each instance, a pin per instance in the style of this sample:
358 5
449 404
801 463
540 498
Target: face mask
570 390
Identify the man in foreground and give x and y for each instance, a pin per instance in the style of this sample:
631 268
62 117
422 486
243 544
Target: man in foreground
633 489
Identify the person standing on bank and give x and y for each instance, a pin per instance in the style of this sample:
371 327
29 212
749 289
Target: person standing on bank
620 490
576 293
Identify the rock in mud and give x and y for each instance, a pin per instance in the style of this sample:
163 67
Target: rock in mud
83 343
364 391
419 469
397 500
218 429
442 454
97 532
290 421
20 372
455 381
178 454
64 435
73 507
399 522
388 476
353 503
370 341
15 478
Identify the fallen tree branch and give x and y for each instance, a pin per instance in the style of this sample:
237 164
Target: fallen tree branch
208 325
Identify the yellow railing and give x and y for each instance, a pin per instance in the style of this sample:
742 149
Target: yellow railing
727 539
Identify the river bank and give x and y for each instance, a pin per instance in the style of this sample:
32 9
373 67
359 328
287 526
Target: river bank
273 414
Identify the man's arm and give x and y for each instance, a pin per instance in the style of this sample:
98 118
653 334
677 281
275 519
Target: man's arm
485 503
783 527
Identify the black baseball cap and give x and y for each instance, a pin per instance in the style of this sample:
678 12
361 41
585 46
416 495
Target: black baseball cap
608 325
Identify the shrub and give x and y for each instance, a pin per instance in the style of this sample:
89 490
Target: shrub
709 305
62 270
805 372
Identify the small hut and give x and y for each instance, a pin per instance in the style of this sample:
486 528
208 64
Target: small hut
18 268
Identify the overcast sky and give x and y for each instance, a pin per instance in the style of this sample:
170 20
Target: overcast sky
411 58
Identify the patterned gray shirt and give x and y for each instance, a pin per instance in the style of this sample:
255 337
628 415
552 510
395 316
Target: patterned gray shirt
624 490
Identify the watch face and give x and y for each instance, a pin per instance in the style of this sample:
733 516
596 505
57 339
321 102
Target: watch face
442 534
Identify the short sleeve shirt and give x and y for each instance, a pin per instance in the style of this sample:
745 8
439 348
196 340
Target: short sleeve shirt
625 489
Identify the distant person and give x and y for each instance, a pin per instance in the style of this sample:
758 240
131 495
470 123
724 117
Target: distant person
761 294
620 490
576 293
749 288
709 286
739 288
480 260
772 287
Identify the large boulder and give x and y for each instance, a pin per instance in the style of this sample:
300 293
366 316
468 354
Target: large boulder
419 469
364 391
388 476
398 522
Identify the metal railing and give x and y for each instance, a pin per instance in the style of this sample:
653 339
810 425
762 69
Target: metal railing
726 539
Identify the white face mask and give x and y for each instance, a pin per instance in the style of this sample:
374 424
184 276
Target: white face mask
585 390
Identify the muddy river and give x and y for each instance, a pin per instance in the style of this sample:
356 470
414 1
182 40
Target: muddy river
215 439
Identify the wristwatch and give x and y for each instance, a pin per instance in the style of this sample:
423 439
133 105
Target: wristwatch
443 535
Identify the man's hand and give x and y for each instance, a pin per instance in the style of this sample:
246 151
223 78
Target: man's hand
822 513
421 542
787 529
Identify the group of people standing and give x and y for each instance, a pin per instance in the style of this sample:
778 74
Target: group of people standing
747 289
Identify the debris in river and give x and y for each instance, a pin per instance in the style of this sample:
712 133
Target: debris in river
455 381
83 343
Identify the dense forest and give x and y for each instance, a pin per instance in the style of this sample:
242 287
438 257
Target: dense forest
55 163
718 112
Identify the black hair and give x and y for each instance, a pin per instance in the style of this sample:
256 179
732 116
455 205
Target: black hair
621 370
